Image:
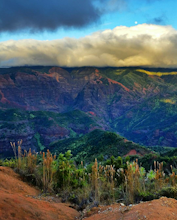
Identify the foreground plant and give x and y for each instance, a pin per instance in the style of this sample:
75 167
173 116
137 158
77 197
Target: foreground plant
99 182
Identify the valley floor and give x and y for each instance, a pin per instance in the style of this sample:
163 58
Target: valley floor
20 201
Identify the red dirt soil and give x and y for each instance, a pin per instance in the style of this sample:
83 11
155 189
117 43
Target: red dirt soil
19 201
132 152
159 209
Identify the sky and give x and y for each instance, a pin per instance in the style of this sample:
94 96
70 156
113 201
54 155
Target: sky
88 33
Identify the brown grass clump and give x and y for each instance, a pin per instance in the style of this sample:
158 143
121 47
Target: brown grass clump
134 181
103 182
95 175
160 175
48 171
31 160
19 155
14 149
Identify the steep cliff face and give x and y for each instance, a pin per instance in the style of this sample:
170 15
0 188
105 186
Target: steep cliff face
35 90
139 104
57 90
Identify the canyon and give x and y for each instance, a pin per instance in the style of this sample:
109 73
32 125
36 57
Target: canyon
43 104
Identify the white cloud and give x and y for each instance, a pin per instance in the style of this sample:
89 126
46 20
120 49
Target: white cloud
144 44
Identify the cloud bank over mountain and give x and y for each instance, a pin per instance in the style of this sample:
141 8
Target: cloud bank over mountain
145 44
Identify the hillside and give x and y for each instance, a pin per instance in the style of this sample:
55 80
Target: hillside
20 201
38 129
97 143
160 209
138 103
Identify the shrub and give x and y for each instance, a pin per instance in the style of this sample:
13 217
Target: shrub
116 179
170 192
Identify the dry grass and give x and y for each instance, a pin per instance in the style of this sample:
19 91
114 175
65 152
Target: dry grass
102 181
48 171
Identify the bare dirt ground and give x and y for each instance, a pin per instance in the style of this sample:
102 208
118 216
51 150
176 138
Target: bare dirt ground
159 209
20 201
132 152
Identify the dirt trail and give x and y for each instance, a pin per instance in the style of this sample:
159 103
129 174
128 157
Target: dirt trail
20 201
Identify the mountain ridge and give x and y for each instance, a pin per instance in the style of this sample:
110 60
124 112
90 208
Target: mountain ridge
136 105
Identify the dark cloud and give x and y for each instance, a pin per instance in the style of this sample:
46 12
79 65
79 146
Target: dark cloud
38 15
160 20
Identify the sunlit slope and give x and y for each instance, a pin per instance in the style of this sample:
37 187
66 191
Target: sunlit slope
151 73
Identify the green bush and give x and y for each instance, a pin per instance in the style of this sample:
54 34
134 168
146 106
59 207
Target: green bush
1 162
145 196
115 179
9 163
170 192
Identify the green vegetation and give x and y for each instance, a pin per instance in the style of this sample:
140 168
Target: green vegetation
29 70
128 76
144 125
155 105
102 181
43 125
47 119
41 147
96 143
144 112
142 109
